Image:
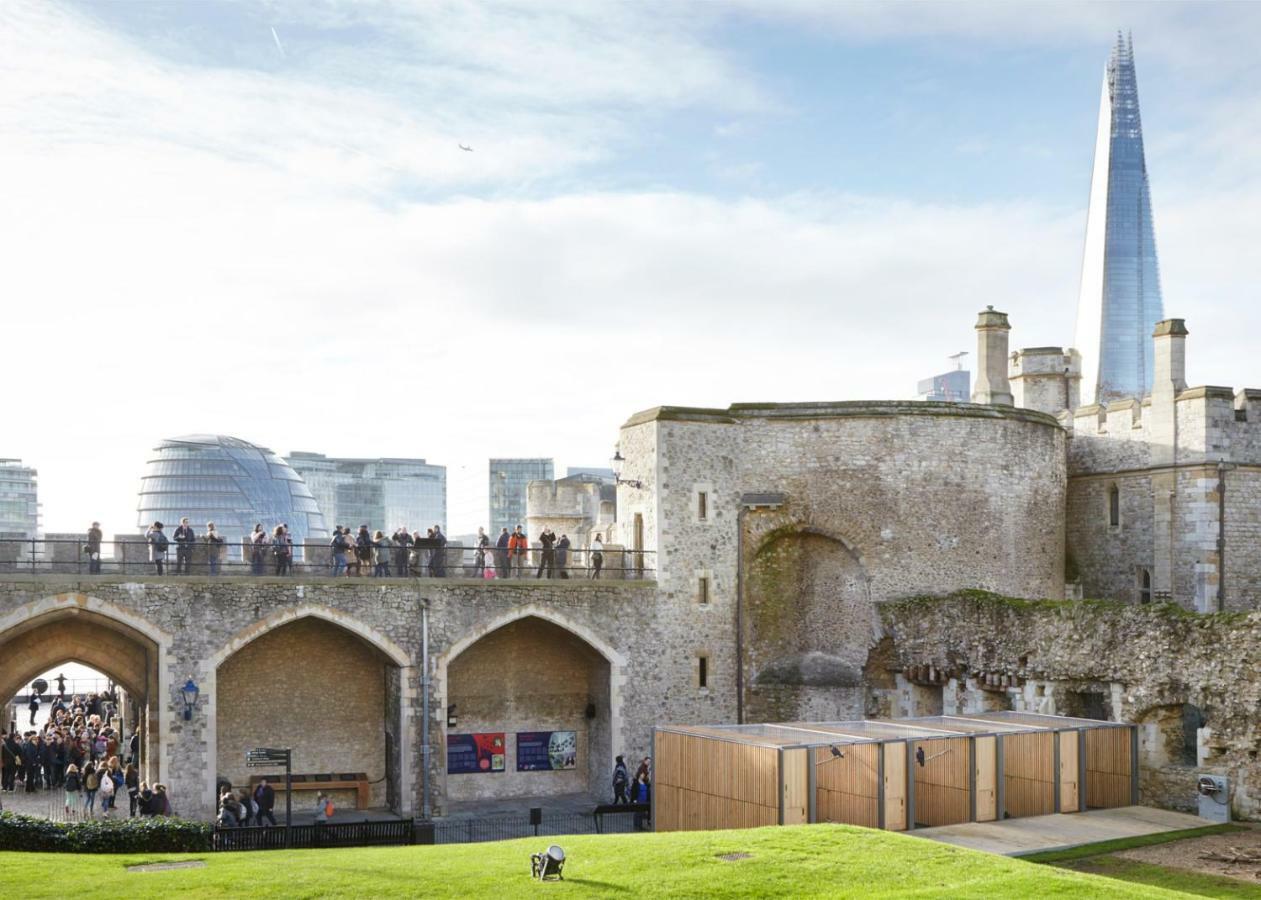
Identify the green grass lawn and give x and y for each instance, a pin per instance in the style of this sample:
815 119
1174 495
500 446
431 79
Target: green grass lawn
809 861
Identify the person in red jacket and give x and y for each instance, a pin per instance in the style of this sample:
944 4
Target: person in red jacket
518 549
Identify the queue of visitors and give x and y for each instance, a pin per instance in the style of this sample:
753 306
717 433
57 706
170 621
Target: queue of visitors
80 754
365 552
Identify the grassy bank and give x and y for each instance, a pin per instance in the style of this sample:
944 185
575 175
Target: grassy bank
812 861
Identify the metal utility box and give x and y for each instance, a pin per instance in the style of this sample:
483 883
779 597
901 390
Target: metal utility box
1214 798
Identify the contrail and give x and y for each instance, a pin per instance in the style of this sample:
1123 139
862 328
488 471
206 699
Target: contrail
276 38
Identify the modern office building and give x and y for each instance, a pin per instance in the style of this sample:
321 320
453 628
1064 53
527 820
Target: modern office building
19 499
606 473
952 387
383 493
509 479
1120 301
228 481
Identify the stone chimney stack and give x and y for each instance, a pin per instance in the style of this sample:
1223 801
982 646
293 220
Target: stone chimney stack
992 386
1170 369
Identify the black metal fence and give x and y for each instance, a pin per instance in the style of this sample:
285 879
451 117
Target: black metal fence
305 837
622 820
505 828
423 559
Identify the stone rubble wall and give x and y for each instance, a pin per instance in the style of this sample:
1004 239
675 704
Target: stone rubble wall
1144 660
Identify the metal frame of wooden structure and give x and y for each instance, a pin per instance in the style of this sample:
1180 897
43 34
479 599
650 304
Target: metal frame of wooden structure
894 774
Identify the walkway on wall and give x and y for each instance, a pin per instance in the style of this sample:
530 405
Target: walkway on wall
1036 834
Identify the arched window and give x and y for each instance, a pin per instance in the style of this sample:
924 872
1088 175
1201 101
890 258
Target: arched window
1114 506
1144 585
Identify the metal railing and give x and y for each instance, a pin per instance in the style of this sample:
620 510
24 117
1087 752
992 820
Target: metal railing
306 837
423 559
505 828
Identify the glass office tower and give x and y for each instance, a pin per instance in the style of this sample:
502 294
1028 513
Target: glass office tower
233 483
508 481
19 499
1120 300
384 493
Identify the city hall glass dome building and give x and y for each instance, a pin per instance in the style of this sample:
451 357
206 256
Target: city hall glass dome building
228 481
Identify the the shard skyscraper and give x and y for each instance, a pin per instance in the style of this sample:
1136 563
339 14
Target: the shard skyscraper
1120 300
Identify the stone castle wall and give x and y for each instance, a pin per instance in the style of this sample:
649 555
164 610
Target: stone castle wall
878 500
333 666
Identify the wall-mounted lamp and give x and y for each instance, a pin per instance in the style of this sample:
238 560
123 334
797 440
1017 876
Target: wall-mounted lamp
189 692
451 717
617 462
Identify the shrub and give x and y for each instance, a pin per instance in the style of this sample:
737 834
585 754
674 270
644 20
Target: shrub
143 835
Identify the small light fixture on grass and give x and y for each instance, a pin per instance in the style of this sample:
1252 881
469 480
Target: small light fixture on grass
189 692
548 865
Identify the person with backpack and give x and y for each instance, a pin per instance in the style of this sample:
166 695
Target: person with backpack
157 545
621 780
33 706
280 550
339 545
185 537
323 808
265 801
91 784
363 549
73 787
106 787
214 548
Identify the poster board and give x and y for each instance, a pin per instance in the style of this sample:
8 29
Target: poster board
547 751
469 754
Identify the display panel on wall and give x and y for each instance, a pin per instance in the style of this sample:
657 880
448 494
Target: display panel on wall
547 751
476 753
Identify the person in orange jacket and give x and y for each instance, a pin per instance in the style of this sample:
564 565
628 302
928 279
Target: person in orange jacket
518 549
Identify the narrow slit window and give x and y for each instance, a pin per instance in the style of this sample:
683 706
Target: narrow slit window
1114 506
702 671
702 590
702 505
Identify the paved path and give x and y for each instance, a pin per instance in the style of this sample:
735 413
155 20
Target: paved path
1017 837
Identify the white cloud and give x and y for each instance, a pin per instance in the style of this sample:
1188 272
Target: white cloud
308 261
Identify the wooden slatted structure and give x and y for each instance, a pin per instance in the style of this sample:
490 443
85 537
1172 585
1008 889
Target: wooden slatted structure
1108 768
893 774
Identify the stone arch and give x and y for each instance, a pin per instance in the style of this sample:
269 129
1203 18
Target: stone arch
604 735
809 624
76 627
378 664
257 629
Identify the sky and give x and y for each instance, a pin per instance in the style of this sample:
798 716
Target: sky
255 218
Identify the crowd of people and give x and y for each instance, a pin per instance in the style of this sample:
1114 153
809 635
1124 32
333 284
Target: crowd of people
403 554
237 809
80 755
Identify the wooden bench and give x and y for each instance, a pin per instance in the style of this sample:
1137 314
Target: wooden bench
355 781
